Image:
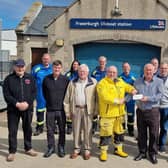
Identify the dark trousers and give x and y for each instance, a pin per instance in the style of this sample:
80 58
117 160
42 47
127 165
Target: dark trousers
148 119
51 117
13 122
69 124
40 120
163 126
130 106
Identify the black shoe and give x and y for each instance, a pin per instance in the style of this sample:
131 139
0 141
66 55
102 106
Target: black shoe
140 156
38 132
49 152
61 151
153 159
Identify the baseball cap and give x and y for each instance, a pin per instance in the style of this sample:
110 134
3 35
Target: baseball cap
19 62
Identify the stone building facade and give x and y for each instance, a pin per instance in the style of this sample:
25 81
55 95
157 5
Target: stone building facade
59 29
32 37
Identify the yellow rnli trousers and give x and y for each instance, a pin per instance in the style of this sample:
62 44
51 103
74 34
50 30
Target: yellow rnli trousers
111 127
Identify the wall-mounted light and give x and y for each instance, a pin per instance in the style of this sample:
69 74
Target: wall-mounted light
116 11
59 42
27 38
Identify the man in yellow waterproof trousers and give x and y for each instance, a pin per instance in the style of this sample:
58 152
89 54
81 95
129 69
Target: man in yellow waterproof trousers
111 91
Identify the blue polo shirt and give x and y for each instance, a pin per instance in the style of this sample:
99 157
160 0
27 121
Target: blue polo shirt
98 74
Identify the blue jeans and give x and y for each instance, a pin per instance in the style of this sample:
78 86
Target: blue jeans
163 127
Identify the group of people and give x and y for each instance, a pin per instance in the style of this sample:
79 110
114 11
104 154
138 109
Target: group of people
78 100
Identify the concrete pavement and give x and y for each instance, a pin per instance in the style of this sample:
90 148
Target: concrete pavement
39 144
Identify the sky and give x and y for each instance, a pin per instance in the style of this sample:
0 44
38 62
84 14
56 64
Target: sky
12 11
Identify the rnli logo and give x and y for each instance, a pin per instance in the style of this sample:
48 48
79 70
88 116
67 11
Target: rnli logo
161 23
27 81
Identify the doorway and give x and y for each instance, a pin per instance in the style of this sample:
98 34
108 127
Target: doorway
37 54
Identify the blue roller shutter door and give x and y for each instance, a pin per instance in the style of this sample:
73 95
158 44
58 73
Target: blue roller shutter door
136 54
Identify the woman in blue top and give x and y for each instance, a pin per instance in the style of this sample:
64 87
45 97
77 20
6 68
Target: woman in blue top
73 72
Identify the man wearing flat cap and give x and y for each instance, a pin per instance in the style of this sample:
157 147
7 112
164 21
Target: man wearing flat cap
19 91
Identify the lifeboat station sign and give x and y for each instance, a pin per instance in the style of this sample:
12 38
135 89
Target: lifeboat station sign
118 24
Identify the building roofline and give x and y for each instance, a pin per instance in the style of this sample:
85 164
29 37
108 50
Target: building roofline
29 17
49 6
31 35
164 3
65 10
7 29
